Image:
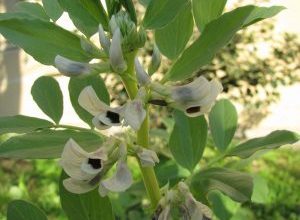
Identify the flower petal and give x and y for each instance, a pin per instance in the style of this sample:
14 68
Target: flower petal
147 157
89 100
134 114
69 67
110 117
71 159
119 182
77 186
116 58
104 41
99 124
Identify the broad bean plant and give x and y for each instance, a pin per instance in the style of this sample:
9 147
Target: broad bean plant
99 168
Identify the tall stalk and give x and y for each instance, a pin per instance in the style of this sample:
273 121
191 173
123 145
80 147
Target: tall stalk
148 174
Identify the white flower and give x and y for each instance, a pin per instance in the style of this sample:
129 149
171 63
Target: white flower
104 41
132 113
194 99
142 76
116 58
197 97
181 199
155 61
148 158
69 67
87 169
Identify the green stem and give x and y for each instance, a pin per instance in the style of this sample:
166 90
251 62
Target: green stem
149 177
77 128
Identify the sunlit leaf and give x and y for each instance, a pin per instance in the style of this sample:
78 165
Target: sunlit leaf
53 9
48 96
22 124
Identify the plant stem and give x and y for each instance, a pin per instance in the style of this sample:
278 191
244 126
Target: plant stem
149 177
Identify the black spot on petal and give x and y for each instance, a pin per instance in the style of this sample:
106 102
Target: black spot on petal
193 109
158 102
95 163
114 117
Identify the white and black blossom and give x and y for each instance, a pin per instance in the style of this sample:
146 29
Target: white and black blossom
194 99
132 113
181 203
87 170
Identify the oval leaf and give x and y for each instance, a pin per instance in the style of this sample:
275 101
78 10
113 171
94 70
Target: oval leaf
129 6
202 51
172 42
87 206
76 85
223 122
22 210
271 141
46 144
236 185
48 96
161 12
34 10
53 9
206 11
188 139
41 39
22 124
86 14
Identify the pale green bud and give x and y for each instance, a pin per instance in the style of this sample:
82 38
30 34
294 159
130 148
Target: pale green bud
155 61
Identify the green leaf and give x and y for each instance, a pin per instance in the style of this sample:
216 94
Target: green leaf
236 185
161 12
42 40
48 96
22 210
271 141
188 139
129 6
206 11
46 144
22 124
53 9
86 14
202 51
223 122
34 10
87 206
76 85
172 42
260 13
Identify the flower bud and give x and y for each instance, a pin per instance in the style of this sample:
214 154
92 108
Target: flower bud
104 41
115 53
69 67
142 76
155 61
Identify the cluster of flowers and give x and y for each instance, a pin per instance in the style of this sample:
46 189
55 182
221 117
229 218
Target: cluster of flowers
88 170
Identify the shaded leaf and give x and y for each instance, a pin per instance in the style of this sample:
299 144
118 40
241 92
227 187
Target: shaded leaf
22 124
46 144
236 185
87 206
53 9
272 141
48 96
22 210
188 139
161 12
172 42
86 14
129 6
223 122
77 84
42 40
